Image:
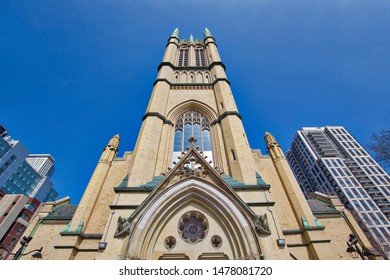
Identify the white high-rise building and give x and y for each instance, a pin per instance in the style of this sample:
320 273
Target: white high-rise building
42 163
330 160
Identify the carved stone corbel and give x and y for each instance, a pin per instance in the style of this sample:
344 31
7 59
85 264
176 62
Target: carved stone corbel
124 227
261 224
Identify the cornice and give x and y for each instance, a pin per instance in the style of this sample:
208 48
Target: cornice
115 207
131 190
191 84
173 67
224 115
158 115
170 42
83 235
210 42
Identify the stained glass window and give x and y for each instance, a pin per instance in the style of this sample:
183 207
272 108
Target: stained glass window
192 124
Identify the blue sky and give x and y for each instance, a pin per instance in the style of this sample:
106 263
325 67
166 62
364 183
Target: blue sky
75 73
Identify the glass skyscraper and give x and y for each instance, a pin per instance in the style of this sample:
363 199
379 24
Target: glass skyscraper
18 176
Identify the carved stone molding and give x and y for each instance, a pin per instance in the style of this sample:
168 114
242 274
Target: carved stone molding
192 167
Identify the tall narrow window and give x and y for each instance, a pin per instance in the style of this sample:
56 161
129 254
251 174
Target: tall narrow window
233 155
183 56
192 124
199 56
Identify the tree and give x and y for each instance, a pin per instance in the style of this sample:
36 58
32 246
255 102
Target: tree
380 145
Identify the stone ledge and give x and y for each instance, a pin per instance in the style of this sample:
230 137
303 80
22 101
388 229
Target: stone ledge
307 244
114 207
82 235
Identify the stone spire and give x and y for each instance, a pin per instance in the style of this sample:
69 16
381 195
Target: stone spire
114 141
269 139
273 147
301 209
110 151
88 202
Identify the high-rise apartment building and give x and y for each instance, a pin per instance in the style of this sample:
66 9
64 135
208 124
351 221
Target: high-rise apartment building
331 161
22 173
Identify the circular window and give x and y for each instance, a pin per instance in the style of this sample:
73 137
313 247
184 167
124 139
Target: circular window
216 241
193 227
170 242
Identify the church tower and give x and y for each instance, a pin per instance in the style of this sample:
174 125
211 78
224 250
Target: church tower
193 188
192 98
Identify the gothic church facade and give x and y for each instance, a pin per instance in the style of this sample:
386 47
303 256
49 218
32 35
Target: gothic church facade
193 188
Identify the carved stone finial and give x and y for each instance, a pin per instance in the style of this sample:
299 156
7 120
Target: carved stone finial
270 139
114 141
124 227
175 33
192 140
261 224
207 33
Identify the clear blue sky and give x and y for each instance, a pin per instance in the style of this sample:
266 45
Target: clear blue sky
74 73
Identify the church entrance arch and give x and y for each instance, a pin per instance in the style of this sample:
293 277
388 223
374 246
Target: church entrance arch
196 219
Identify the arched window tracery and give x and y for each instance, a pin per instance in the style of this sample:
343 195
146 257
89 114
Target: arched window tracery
192 124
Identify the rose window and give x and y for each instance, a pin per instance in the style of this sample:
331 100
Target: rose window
193 227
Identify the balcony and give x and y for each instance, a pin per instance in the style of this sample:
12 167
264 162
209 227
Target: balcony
318 138
363 180
315 135
327 147
382 203
352 165
359 173
377 197
372 192
329 153
356 169
386 210
368 185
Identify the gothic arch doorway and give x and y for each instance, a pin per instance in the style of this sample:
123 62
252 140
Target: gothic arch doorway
181 212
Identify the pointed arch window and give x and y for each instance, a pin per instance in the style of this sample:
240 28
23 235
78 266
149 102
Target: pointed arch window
192 124
199 56
183 56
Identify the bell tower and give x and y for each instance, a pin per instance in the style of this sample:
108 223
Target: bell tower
192 97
